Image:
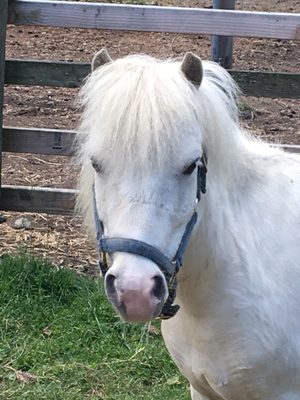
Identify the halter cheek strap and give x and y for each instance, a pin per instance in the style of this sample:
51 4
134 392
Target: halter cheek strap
168 267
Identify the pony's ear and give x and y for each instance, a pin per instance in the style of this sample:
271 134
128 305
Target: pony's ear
100 58
192 68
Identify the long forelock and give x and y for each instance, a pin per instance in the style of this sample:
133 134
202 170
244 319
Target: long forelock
137 109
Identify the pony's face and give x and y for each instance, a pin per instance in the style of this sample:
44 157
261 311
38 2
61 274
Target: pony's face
143 141
152 206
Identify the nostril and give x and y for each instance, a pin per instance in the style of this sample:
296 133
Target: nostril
110 280
158 289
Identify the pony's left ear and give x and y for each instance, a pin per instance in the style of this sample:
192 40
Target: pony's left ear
100 58
192 68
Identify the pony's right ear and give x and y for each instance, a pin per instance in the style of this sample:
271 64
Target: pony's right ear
192 68
100 58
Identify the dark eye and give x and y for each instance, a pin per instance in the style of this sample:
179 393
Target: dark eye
97 166
190 169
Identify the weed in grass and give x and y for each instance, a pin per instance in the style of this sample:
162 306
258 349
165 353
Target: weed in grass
58 328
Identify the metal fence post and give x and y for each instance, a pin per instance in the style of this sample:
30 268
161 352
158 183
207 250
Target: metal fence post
3 20
222 46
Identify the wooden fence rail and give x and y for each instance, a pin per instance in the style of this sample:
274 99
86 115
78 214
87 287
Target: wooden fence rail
56 142
45 73
71 75
36 199
155 19
38 141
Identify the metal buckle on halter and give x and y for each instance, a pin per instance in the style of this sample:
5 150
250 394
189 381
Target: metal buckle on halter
103 263
201 177
169 309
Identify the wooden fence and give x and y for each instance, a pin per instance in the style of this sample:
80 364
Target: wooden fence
123 17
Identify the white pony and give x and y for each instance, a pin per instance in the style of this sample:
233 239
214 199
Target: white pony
145 125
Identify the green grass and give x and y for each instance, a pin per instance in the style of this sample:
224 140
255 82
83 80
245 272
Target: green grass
59 327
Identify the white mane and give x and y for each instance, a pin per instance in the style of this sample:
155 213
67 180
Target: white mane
137 108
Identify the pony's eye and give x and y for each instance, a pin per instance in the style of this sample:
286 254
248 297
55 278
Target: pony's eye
97 166
190 169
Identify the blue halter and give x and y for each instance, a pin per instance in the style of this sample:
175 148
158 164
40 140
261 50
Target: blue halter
168 267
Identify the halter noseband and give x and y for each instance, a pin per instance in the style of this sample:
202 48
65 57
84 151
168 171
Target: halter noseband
169 268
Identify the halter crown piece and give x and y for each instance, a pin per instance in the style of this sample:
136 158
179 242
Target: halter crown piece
169 268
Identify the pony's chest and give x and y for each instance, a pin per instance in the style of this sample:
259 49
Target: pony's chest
220 382
217 369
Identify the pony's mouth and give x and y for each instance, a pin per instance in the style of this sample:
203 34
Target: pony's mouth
138 316
135 307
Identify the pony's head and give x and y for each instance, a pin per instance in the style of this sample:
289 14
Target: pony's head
139 142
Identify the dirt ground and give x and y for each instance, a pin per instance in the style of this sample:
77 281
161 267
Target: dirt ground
61 239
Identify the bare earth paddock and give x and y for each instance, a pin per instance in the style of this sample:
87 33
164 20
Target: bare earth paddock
60 239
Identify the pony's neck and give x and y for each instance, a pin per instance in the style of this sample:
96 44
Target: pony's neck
228 147
226 143
227 153
238 169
